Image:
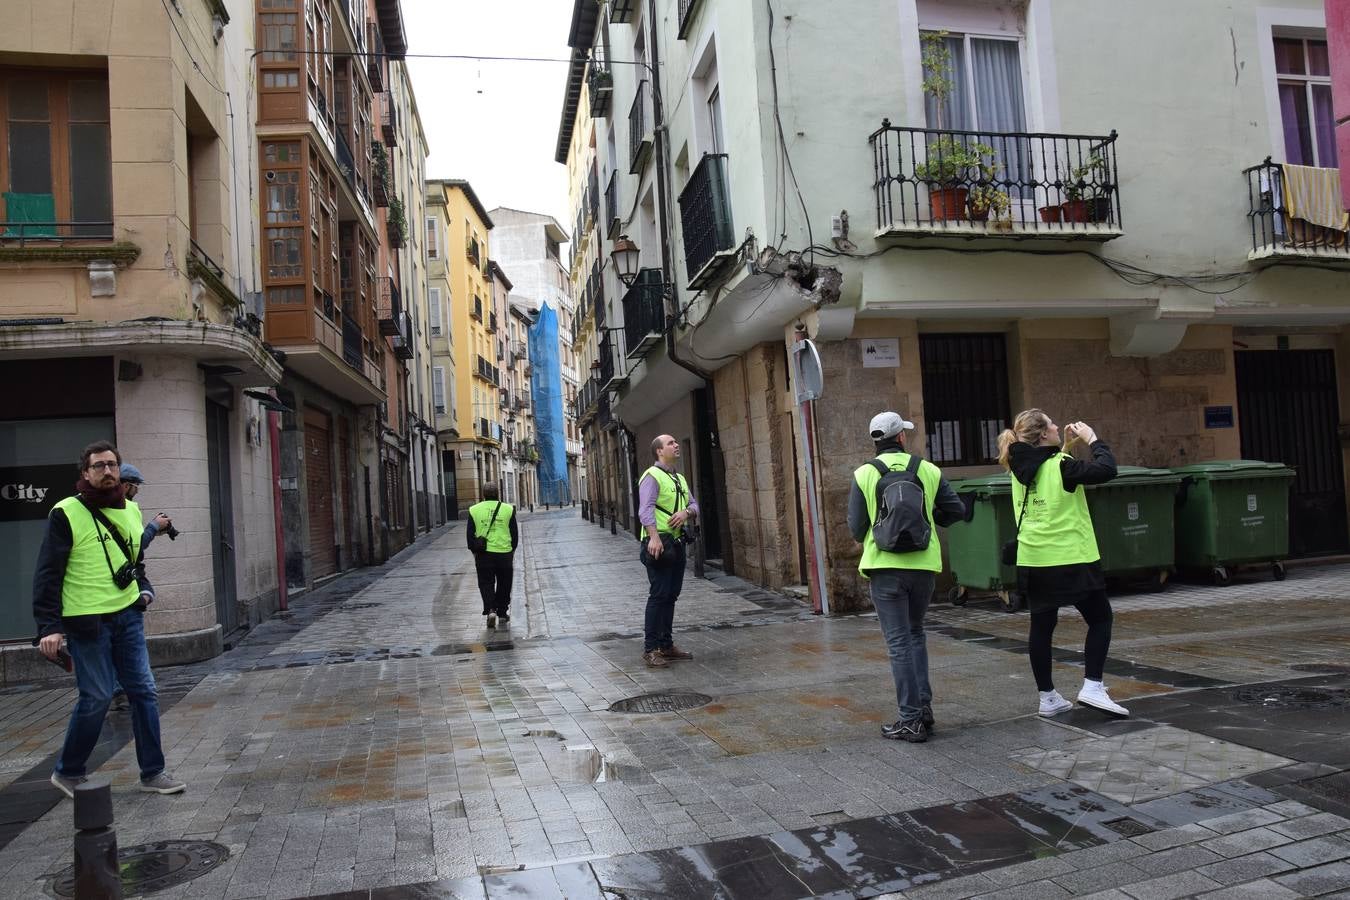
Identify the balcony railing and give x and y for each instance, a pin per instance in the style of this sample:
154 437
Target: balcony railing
47 233
351 342
389 119
492 323
375 61
601 85
346 162
402 341
1296 212
705 216
605 356
979 183
593 197
639 141
598 294
603 415
477 311
687 10
379 174
612 218
486 370
390 306
644 313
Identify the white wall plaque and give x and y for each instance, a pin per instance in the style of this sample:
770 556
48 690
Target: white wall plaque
880 353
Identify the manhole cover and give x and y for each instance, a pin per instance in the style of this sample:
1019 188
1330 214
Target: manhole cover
1128 827
1321 668
153 867
1288 697
659 703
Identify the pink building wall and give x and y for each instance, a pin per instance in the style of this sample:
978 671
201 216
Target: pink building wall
1338 47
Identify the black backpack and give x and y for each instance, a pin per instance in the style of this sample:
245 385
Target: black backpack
901 524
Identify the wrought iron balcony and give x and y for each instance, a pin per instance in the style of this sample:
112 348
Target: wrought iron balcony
598 294
975 184
601 85
389 119
644 312
379 174
492 323
346 162
639 139
351 342
593 197
375 59
1295 213
390 306
402 341
477 311
486 370
705 219
687 10
613 221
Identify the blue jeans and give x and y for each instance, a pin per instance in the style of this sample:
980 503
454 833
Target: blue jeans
116 653
665 577
901 599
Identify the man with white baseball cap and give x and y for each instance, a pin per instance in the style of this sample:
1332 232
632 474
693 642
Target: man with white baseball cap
894 503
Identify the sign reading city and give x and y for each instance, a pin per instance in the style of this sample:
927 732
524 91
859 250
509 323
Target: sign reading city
28 492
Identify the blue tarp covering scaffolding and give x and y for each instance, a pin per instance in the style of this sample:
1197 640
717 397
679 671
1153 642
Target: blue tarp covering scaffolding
546 391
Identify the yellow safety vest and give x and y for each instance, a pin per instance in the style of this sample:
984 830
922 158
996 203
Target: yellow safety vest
88 588
499 537
928 559
1057 527
673 494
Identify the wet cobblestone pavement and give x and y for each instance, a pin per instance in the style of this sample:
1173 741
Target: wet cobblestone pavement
377 741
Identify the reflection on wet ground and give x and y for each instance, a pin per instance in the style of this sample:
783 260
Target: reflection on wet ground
862 857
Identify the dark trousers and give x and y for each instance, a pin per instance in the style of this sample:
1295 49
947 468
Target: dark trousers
666 578
494 581
1096 612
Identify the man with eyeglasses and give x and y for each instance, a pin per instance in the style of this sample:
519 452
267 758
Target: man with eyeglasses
90 592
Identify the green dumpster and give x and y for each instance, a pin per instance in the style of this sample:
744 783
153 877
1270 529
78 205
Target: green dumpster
973 548
1233 513
1132 517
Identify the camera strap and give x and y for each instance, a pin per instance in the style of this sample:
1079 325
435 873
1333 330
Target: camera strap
101 519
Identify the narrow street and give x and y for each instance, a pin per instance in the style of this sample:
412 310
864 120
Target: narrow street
376 736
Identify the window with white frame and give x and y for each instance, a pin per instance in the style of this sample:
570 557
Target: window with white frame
438 389
985 73
434 306
1303 73
433 238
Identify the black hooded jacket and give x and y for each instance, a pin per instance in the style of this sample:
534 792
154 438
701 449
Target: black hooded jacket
1047 587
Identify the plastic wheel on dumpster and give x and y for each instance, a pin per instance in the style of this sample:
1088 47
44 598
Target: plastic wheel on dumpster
1233 513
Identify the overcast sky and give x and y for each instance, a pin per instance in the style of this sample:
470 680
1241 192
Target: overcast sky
494 123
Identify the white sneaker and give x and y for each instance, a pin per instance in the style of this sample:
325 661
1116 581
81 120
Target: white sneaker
1053 703
1094 695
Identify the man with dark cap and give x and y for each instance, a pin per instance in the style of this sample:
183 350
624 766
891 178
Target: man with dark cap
131 477
894 504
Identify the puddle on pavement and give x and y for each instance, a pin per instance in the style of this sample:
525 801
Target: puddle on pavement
584 764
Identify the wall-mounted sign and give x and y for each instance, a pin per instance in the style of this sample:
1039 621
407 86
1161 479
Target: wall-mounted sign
28 492
880 353
810 379
1218 417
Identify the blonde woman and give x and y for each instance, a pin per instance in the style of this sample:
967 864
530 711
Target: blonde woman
1057 559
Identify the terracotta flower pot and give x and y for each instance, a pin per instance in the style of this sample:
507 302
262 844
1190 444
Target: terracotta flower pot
1050 213
948 203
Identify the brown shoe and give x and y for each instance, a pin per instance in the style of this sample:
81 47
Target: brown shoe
654 659
673 652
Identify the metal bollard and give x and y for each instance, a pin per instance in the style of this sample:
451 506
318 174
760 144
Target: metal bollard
613 523
97 874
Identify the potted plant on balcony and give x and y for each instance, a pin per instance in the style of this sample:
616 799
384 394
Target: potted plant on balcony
379 171
946 170
396 223
986 199
1088 192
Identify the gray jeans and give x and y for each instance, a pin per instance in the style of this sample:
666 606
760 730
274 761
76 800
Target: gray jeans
901 599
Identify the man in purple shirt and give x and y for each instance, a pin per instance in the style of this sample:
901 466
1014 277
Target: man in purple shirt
665 508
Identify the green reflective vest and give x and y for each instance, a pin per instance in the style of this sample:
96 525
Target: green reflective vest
499 537
928 559
1057 527
670 496
88 588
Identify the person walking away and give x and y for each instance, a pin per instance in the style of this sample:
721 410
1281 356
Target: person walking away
665 509
1057 559
893 504
90 591
493 538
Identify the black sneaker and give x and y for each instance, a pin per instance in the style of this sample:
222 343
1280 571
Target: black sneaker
911 732
491 620
503 622
928 717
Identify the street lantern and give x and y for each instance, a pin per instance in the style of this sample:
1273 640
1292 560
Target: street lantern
625 256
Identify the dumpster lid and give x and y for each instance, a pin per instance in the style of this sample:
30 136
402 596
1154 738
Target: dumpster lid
997 483
1142 475
1235 468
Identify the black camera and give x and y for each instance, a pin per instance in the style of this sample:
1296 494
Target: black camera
689 534
171 532
126 576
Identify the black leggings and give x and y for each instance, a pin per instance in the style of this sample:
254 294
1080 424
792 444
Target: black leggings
1096 612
